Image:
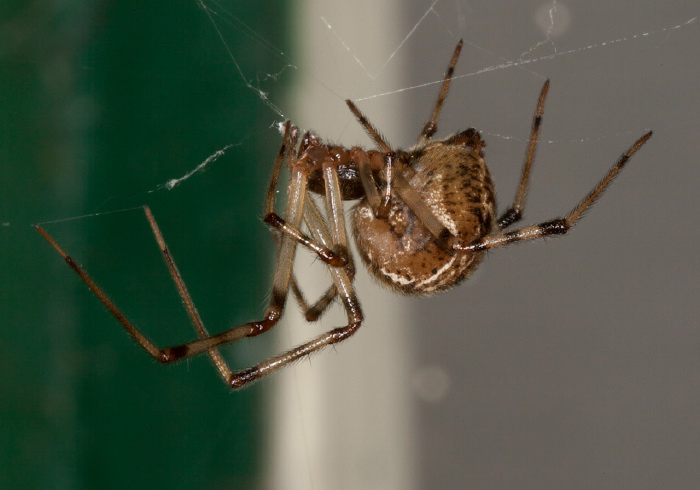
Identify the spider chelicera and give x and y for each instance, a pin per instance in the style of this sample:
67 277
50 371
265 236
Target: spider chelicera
424 218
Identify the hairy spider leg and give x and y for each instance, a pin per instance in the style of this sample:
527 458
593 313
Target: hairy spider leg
319 231
296 203
341 281
515 212
329 239
431 126
395 180
216 358
294 214
557 226
274 220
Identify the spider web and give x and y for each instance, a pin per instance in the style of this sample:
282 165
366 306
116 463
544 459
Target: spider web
552 19
437 17
551 48
547 45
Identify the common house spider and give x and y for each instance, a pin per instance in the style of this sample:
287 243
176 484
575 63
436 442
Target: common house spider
424 218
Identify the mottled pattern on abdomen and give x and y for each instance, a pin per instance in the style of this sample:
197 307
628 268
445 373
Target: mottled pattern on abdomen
400 252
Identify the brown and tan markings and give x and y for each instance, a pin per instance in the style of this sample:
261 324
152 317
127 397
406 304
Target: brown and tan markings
424 218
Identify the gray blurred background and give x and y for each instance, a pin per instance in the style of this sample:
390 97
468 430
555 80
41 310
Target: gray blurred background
573 362
567 363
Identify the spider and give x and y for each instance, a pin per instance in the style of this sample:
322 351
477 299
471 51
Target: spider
424 218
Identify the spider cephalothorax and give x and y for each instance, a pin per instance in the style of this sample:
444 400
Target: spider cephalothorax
423 220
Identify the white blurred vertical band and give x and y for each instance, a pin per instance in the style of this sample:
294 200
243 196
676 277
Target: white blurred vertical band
344 419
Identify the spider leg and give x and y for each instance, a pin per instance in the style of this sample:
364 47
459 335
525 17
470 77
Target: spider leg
336 238
342 277
312 312
382 211
287 249
369 128
341 281
319 231
289 142
396 182
515 212
557 226
214 355
334 336
161 355
297 197
431 126
420 208
368 182
151 348
380 207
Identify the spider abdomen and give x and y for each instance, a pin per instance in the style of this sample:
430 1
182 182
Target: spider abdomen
399 251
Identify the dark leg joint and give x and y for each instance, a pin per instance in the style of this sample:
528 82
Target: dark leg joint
261 327
429 129
339 256
172 354
242 378
341 333
325 254
445 241
555 227
311 315
332 258
273 219
509 217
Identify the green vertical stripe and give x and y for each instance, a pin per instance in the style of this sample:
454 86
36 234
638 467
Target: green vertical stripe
100 102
